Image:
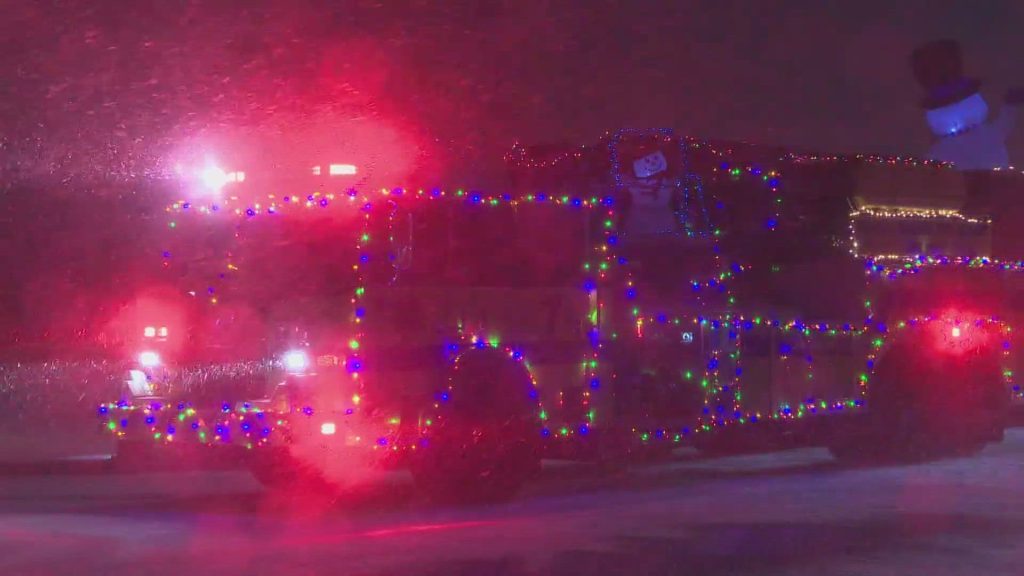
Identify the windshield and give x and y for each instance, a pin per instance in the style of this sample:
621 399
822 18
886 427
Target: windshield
296 271
465 244
670 268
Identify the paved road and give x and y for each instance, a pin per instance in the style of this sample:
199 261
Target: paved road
789 513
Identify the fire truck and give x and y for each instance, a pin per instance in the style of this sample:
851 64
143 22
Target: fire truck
647 293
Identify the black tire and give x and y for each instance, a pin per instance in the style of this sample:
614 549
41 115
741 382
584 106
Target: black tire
905 439
486 443
134 455
926 406
277 470
476 465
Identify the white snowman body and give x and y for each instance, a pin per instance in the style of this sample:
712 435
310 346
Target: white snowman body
966 138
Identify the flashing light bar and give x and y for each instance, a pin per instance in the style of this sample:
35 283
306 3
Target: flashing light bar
295 361
153 332
336 170
342 169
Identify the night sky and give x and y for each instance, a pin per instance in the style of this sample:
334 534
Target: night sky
117 86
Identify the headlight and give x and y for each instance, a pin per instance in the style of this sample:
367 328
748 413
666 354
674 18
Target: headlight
295 361
213 178
149 359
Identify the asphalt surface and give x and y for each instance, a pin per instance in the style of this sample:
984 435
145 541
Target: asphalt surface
794 512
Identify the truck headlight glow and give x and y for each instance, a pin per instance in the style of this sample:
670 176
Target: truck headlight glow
213 178
295 361
342 169
149 359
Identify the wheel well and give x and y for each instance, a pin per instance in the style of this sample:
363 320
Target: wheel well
491 383
911 372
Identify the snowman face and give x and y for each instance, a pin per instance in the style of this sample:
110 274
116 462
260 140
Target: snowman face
650 165
958 117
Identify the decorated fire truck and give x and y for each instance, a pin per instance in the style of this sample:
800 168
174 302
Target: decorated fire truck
650 292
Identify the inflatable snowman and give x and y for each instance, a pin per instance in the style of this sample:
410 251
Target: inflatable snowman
966 135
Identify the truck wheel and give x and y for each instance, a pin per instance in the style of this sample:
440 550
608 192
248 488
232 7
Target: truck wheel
476 465
927 404
485 443
898 437
277 469
135 454
909 436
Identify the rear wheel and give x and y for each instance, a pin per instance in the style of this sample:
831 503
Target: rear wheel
476 465
924 408
896 438
276 469
136 454
485 444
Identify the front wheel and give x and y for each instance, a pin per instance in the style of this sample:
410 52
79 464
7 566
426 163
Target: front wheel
276 469
476 465
132 455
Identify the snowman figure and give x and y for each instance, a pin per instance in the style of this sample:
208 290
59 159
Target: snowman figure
958 114
651 210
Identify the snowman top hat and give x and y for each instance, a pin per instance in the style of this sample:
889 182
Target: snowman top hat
952 101
939 68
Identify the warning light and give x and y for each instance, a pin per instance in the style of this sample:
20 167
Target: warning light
149 359
342 169
295 361
149 331
956 332
162 332
328 429
213 178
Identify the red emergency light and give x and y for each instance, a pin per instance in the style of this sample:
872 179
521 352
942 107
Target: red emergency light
336 170
958 333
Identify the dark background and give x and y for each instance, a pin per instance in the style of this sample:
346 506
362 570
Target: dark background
113 86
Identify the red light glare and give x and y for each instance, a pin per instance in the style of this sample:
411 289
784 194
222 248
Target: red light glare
957 333
157 318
